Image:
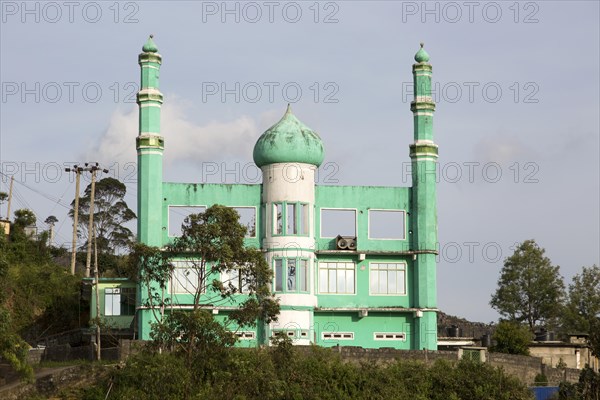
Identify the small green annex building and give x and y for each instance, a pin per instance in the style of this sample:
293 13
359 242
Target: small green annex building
353 265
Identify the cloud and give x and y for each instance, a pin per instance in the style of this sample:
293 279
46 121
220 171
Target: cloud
502 149
184 139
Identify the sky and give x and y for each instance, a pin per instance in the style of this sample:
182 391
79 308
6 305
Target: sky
517 119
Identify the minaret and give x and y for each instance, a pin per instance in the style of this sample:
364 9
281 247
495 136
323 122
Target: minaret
150 145
424 154
289 154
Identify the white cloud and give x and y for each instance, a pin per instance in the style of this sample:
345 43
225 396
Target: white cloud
502 149
185 140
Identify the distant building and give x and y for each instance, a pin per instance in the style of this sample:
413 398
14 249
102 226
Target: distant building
576 353
353 265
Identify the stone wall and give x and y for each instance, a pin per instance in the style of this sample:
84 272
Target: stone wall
523 367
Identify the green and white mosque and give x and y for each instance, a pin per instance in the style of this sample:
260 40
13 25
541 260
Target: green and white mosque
373 286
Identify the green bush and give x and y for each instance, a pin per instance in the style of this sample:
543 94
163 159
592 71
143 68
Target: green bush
289 373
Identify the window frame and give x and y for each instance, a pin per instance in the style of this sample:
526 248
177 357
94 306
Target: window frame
300 275
320 267
402 270
386 210
114 293
355 210
300 224
174 206
192 269
242 286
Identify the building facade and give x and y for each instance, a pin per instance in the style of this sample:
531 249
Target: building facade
353 265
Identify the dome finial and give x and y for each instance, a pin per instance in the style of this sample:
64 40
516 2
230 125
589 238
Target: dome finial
288 110
421 56
150 46
422 44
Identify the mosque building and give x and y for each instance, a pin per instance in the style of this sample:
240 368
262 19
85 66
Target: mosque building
353 265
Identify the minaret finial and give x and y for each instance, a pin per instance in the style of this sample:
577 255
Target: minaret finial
288 109
150 46
421 56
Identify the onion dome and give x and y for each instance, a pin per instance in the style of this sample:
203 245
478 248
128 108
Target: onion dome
421 55
150 46
289 140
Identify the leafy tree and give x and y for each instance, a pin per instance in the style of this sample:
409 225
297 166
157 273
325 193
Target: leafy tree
212 243
582 310
3 197
24 217
530 288
588 387
511 338
111 213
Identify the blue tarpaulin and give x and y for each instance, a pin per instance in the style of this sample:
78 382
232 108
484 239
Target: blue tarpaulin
544 392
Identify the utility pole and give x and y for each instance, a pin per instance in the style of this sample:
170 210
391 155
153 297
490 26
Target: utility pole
77 169
12 179
97 280
91 230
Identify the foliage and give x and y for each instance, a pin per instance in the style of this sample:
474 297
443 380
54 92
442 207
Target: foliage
582 310
111 213
3 197
511 338
211 243
196 336
540 380
12 348
24 217
588 387
530 288
287 372
51 220
37 297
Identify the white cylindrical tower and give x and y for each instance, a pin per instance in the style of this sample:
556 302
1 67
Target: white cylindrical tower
289 154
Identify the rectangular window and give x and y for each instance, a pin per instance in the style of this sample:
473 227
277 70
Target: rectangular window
278 274
292 226
303 275
291 275
338 222
185 278
235 279
246 335
400 336
387 278
128 301
278 218
386 224
247 219
178 214
337 335
112 301
303 220
336 277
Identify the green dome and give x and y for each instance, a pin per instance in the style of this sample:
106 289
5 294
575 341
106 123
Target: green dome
150 46
289 140
421 55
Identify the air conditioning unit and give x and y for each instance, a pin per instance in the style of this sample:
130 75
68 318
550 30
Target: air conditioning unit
345 242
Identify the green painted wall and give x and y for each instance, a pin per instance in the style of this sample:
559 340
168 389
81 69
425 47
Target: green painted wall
112 321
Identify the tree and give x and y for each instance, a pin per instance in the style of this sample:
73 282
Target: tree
50 221
3 197
111 213
582 310
530 288
511 338
211 247
24 217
